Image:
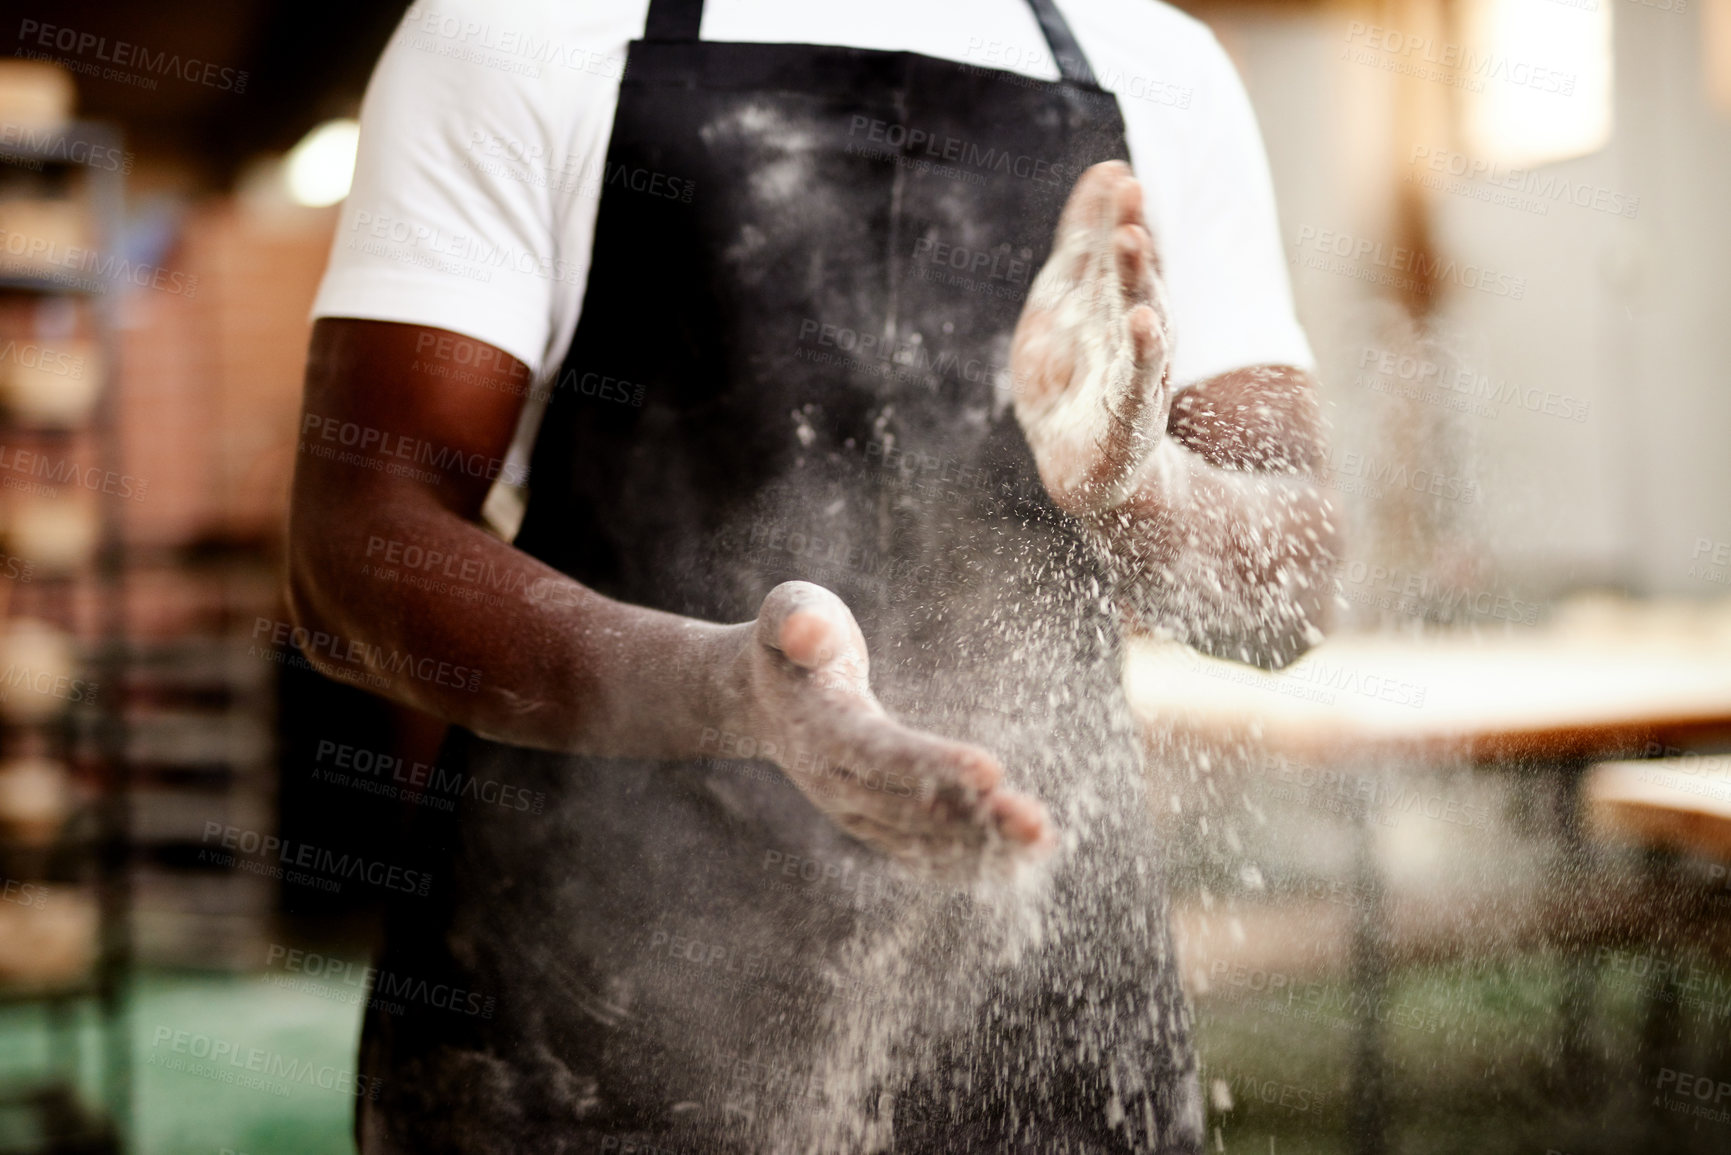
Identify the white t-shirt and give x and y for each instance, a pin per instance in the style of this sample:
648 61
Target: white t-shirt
485 128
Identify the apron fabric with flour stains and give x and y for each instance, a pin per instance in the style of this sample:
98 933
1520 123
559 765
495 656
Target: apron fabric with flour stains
802 371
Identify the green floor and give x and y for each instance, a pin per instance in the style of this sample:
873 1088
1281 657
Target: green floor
1471 1066
182 1112
305 1041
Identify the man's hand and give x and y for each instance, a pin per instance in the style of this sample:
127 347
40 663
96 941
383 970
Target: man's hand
1090 352
1204 503
936 805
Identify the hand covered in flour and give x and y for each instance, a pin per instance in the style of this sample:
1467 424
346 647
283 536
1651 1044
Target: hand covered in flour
938 806
1090 352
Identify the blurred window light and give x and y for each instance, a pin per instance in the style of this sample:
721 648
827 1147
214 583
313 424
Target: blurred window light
1537 79
320 168
1716 40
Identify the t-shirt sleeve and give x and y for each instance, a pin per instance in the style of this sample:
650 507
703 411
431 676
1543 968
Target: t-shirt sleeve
1234 307
442 226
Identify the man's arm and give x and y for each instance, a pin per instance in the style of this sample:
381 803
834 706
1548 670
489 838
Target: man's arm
549 652
1263 419
1227 542
1206 503
395 460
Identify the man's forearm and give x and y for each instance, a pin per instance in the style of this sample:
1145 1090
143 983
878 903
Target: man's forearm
1227 541
546 662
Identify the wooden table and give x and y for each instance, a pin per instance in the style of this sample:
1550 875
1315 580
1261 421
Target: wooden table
1682 806
1603 679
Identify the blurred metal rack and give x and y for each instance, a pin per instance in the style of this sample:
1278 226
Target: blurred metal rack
201 751
64 862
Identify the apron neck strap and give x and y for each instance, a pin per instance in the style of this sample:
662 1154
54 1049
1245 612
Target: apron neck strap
673 20
1072 65
682 19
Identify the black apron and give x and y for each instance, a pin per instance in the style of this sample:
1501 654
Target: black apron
792 362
